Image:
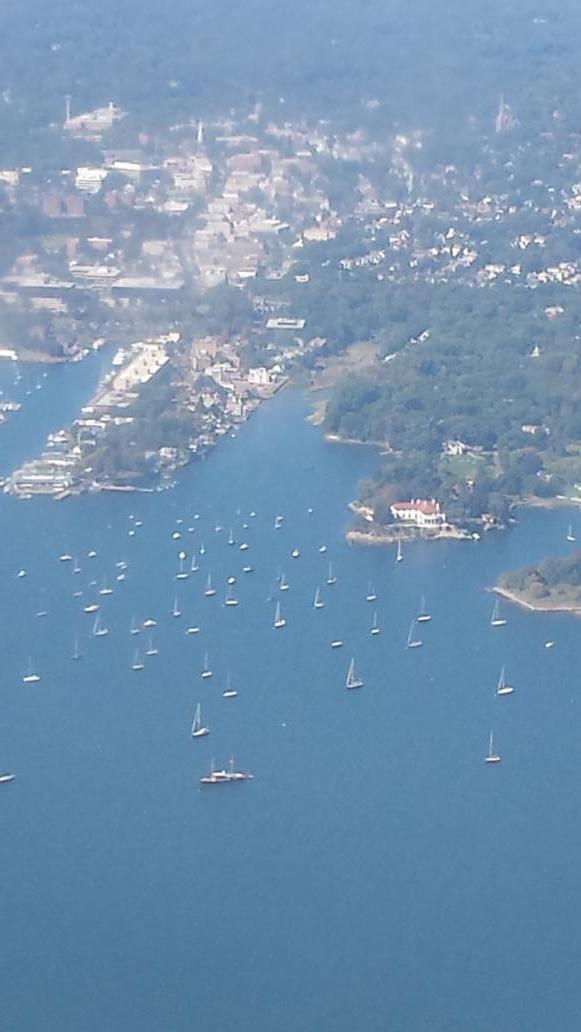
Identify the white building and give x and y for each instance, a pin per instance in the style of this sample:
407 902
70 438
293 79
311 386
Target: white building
420 511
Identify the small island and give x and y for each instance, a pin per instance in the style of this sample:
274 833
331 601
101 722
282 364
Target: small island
552 586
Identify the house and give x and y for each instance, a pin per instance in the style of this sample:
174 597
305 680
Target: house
421 511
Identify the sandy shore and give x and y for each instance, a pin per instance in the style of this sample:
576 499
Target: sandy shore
537 607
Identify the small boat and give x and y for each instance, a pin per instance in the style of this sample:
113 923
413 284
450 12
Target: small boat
492 757
150 622
91 607
322 548
570 534
225 776
231 580
337 644
244 546
295 553
21 574
182 572
231 538
247 569
176 611
413 643
331 578
318 601
209 589
375 628
175 536
283 584
549 644
399 553
496 620
202 549
76 653
423 615
230 599
65 558
98 630
278 522
206 672
41 613
30 676
76 567
6 778
135 628
151 649
92 554
194 567
370 596
198 729
279 620
137 661
105 589
192 630
352 680
229 692
502 687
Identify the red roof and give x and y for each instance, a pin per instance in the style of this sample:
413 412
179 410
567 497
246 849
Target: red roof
428 508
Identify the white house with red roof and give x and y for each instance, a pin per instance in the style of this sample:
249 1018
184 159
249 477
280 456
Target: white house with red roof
422 512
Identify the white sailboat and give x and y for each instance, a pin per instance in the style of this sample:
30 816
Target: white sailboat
352 680
492 756
318 601
230 599
375 628
279 620
176 611
336 644
105 589
6 778
295 553
151 649
98 630
137 661
209 589
371 595
150 622
423 615
399 553
206 672
331 578
496 620
194 566
91 607
182 572
30 676
570 534
413 643
502 687
77 654
76 567
283 583
231 538
229 692
135 628
198 729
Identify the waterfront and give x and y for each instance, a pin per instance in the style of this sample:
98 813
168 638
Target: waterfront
375 874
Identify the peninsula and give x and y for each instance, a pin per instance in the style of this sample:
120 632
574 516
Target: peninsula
552 586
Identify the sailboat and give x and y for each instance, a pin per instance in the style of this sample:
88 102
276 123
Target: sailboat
331 578
399 553
278 522
352 680
279 620
496 620
206 672
150 622
283 583
502 687
375 628
198 730
370 596
30 677
209 589
295 553
91 607
229 692
194 567
202 549
318 601
76 567
423 615
337 643
105 589
76 653
5 778
137 661
570 534
193 629
151 649
413 643
231 538
98 630
492 757
135 628
182 572
176 611
230 599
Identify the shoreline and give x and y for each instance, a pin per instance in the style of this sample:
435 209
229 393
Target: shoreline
386 536
531 607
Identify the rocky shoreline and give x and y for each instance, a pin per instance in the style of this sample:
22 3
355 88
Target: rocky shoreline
537 607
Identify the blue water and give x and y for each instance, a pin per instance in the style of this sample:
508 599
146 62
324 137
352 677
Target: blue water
376 874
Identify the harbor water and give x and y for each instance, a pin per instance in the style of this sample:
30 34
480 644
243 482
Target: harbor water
375 874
